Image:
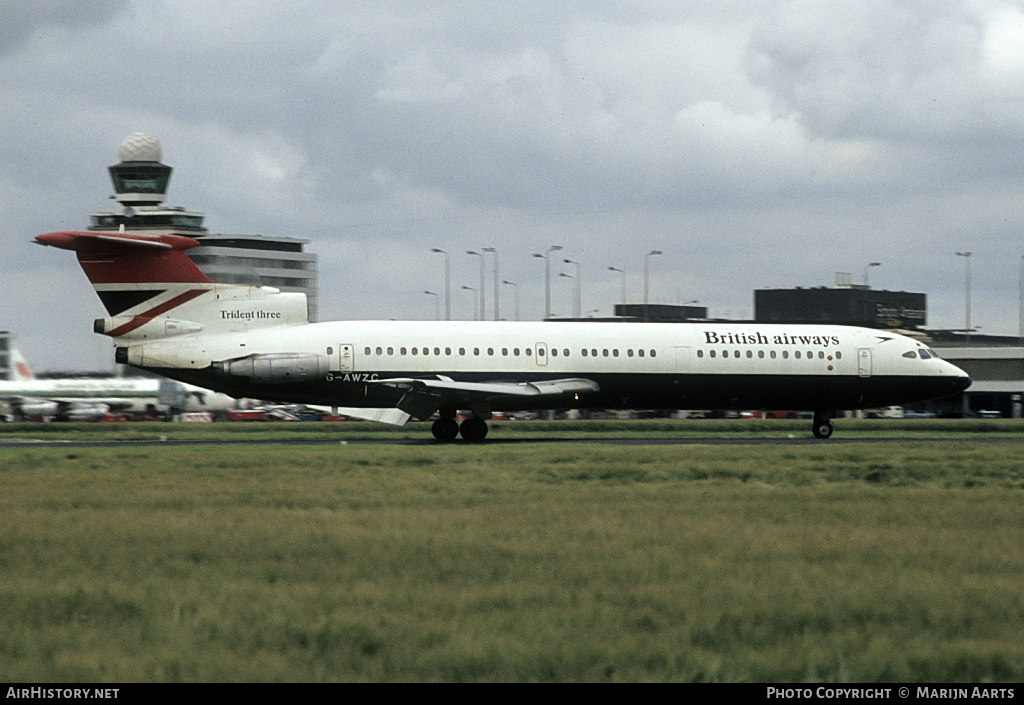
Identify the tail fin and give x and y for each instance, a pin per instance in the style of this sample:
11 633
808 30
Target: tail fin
20 370
127 270
137 277
141 279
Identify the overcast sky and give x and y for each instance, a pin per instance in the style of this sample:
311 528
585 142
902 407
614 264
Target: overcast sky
760 143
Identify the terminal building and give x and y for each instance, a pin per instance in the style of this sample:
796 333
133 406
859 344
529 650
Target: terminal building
140 185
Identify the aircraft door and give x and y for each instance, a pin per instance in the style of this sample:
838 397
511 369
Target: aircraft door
864 362
682 361
541 354
346 358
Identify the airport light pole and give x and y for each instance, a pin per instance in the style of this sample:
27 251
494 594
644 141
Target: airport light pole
967 300
569 276
616 269
437 304
447 283
475 306
515 293
577 307
647 268
483 288
867 269
1020 302
494 252
547 277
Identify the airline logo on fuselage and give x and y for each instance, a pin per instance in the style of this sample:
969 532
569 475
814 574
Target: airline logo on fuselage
758 338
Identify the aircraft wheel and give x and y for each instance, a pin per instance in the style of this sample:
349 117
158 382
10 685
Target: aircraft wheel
473 430
822 426
445 429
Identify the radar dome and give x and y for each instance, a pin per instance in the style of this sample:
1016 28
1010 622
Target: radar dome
140 147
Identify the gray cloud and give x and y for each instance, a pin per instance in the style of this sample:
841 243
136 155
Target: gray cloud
757 144
23 18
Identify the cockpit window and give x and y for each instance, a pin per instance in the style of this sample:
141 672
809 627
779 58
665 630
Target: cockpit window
911 354
924 354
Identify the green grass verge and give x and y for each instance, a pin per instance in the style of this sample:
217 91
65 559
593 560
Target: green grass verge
512 563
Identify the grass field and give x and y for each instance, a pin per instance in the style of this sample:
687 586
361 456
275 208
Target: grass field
549 562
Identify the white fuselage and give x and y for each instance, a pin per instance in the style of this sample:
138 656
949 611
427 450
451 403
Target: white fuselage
667 365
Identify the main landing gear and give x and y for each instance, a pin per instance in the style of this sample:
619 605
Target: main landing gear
473 429
822 426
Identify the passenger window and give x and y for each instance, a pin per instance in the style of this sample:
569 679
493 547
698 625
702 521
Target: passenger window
330 351
641 353
554 352
565 353
605 352
490 351
391 351
700 353
629 353
750 354
797 354
593 352
447 351
528 351
462 351
654 353
402 351
414 351
839 355
772 354
366 351
760 354
476 351
584 352
712 353
515 351
785 354
380 351
821 354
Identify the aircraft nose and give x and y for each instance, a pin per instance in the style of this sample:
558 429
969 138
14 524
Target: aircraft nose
962 382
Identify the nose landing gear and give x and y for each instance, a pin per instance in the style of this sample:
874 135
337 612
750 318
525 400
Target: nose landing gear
822 427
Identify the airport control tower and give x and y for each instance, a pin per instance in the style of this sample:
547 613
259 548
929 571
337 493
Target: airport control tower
140 184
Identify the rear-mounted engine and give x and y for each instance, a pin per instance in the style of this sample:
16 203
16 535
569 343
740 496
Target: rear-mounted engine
276 368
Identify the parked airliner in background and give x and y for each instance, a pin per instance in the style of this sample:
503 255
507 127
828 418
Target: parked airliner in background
165 315
87 398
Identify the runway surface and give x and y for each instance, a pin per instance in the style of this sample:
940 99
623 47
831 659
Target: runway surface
497 442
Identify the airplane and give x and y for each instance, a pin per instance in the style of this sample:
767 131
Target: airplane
89 398
165 315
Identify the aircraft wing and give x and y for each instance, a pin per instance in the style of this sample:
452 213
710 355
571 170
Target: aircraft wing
427 395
